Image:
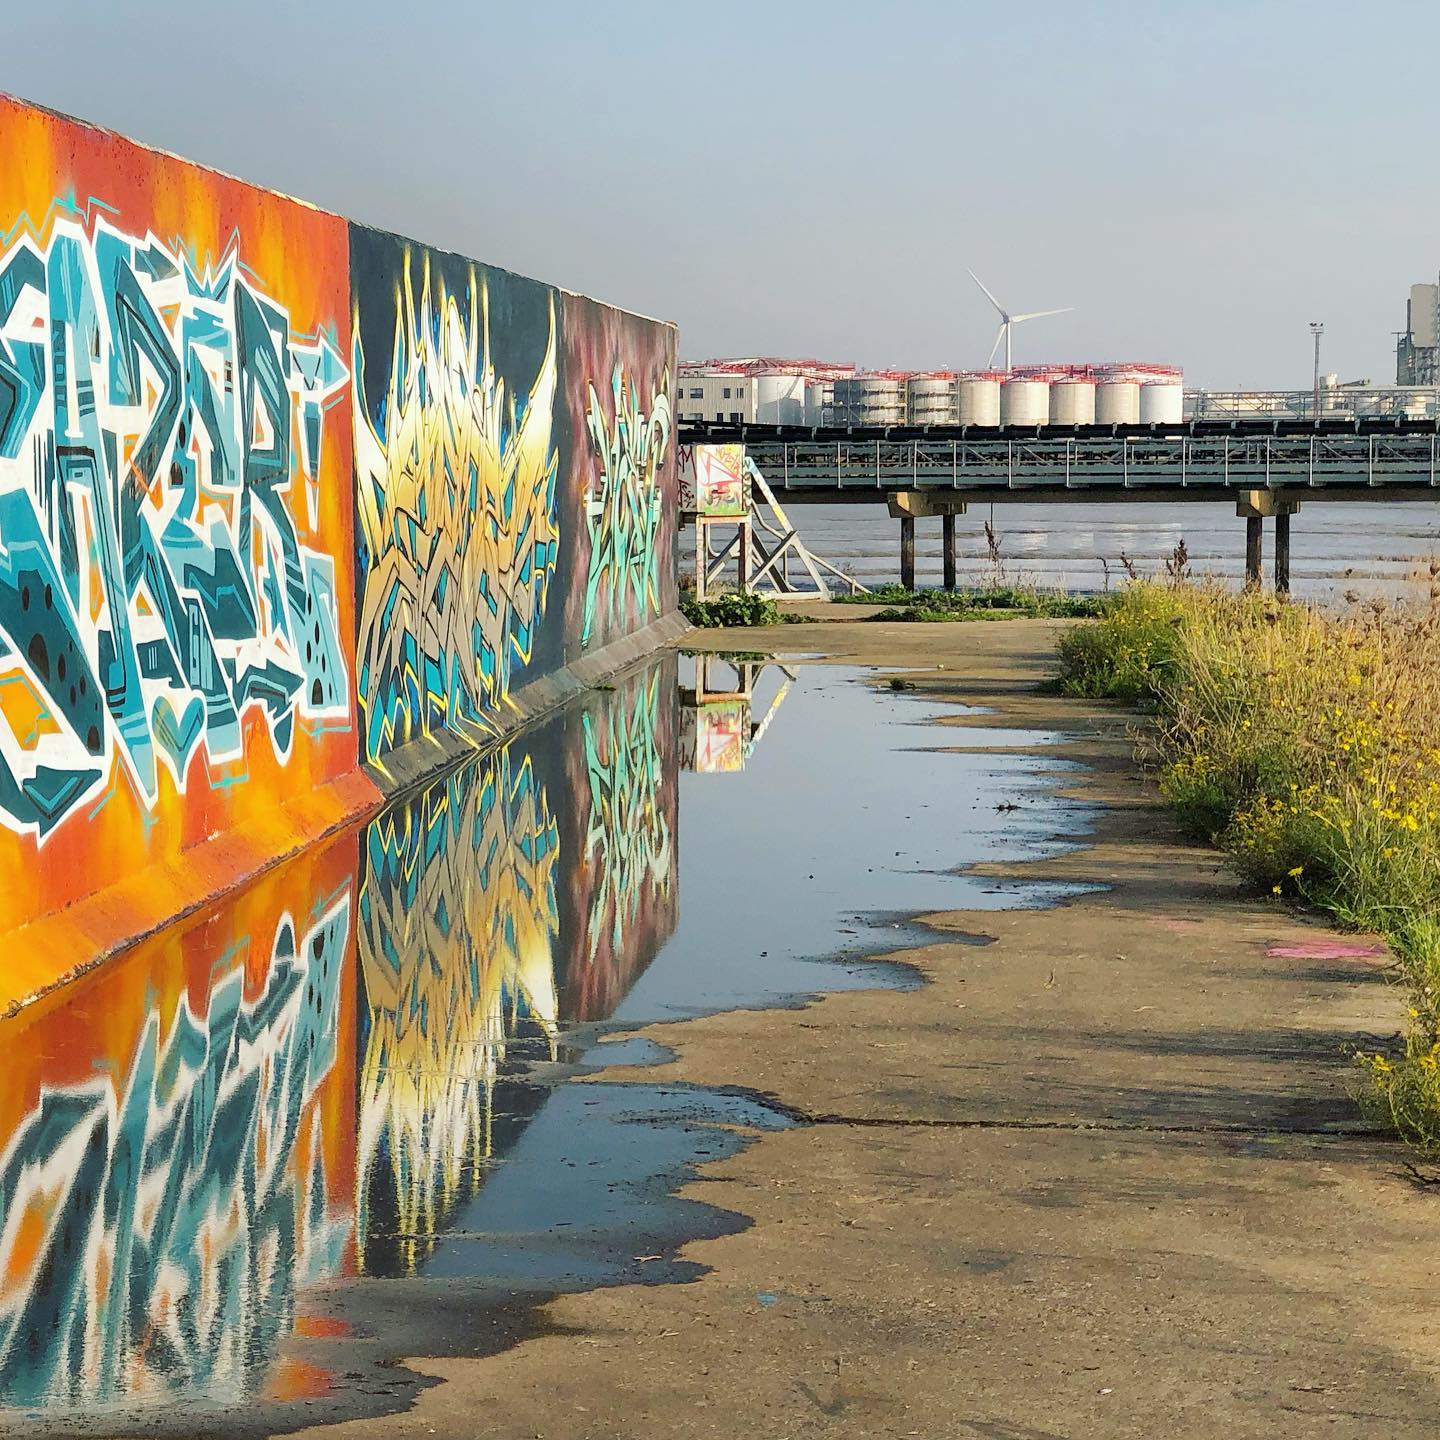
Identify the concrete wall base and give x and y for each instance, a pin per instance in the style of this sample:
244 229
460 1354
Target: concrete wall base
55 948
58 946
421 760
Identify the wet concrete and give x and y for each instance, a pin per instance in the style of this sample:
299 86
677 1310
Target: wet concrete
1102 1177
336 1120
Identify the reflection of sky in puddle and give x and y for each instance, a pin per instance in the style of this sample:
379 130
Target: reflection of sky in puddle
842 811
357 1067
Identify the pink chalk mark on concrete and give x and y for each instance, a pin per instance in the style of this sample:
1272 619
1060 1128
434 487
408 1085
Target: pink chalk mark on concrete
1328 950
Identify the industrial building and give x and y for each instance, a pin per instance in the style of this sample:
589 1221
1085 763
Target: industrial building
1337 400
722 396
771 391
811 392
1417 351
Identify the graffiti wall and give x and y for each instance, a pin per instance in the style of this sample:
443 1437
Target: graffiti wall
175 518
516 486
282 496
623 482
457 489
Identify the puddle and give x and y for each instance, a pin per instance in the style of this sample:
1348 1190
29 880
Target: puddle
333 1120
842 811
625 1147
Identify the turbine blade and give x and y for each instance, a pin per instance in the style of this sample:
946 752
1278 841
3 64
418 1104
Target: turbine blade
1000 309
1040 314
999 336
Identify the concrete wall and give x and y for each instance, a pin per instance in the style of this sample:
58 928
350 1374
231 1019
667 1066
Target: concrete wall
291 512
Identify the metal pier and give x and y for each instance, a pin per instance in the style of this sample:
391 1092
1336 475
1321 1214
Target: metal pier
1266 468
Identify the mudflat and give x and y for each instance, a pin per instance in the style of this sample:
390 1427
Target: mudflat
1103 1176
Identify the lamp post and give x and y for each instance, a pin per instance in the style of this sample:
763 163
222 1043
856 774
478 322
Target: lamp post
1317 329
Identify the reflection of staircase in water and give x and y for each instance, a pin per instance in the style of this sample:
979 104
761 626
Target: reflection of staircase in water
718 729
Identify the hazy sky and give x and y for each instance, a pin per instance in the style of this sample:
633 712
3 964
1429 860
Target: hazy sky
1198 179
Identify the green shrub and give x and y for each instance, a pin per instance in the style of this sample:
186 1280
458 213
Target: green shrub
734 608
1126 653
995 602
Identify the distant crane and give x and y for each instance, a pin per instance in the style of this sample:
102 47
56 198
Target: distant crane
1009 321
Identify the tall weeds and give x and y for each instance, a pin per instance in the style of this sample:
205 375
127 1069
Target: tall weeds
1307 745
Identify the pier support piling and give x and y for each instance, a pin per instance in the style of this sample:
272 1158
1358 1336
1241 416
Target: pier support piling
1254 552
907 506
1282 553
1255 507
907 551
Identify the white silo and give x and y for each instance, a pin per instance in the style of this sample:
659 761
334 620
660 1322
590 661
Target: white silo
847 401
931 399
1117 402
779 399
977 400
819 402
883 400
1162 402
877 399
1072 401
1025 402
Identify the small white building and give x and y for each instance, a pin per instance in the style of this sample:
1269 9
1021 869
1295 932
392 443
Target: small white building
708 395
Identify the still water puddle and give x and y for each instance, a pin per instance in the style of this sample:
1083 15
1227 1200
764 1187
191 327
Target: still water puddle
248 1163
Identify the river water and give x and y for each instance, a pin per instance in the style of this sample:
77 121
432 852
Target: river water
339 1118
1381 549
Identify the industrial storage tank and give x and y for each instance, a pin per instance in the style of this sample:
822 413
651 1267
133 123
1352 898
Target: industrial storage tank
977 400
1025 402
1072 401
1117 402
779 399
1162 402
870 400
931 399
819 402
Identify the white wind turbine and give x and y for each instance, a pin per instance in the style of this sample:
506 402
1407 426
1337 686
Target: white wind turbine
1008 321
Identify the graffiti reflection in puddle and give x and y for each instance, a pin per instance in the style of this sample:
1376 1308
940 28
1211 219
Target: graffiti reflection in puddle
302 1084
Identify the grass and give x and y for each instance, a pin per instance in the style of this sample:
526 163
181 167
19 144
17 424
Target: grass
1306 745
992 602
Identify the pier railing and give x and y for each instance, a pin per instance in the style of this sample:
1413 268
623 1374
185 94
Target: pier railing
1191 462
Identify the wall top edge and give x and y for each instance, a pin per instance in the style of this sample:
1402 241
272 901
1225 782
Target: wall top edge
106 130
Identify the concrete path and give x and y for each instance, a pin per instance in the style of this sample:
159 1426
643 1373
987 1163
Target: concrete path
1101 1178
